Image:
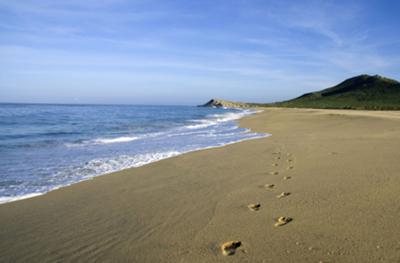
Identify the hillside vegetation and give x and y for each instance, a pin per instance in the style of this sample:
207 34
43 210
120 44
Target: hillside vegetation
361 92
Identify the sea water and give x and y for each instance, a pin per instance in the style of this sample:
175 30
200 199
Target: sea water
44 146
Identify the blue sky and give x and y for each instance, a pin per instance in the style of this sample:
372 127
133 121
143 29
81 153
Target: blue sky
185 52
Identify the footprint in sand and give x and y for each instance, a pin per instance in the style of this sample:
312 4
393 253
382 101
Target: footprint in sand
274 173
269 186
254 207
283 220
274 164
290 167
289 160
283 194
287 177
229 248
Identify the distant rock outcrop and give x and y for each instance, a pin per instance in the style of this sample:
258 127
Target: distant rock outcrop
225 103
362 92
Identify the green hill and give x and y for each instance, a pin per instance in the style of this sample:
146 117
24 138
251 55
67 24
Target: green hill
361 92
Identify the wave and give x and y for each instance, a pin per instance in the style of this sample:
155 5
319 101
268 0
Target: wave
115 140
101 166
215 119
212 120
202 124
205 131
99 141
95 168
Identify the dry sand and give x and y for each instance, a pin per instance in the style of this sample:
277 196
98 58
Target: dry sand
344 202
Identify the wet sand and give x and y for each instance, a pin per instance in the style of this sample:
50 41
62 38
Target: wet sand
325 187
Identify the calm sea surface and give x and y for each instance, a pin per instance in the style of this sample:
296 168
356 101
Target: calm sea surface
45 147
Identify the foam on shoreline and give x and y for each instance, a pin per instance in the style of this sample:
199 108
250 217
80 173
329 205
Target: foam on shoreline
104 166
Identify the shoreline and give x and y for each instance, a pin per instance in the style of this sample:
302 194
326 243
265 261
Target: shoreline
4 200
339 169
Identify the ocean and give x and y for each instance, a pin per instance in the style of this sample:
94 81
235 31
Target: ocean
45 146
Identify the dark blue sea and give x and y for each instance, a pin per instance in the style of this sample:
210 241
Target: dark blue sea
44 147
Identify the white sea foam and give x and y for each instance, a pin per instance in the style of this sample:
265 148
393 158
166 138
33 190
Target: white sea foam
183 133
102 166
202 124
210 134
115 140
104 141
215 119
105 166
6 199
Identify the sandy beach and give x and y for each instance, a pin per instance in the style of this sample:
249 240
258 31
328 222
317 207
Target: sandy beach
334 173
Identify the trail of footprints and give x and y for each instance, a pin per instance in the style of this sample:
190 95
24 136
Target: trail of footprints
229 248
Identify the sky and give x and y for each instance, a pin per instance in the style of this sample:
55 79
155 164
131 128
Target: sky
186 52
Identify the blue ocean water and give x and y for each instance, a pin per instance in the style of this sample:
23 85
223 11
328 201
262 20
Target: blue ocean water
45 147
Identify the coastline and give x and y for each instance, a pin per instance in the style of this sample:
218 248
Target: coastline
341 173
4 200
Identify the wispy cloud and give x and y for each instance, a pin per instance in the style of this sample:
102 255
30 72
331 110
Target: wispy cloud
245 47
